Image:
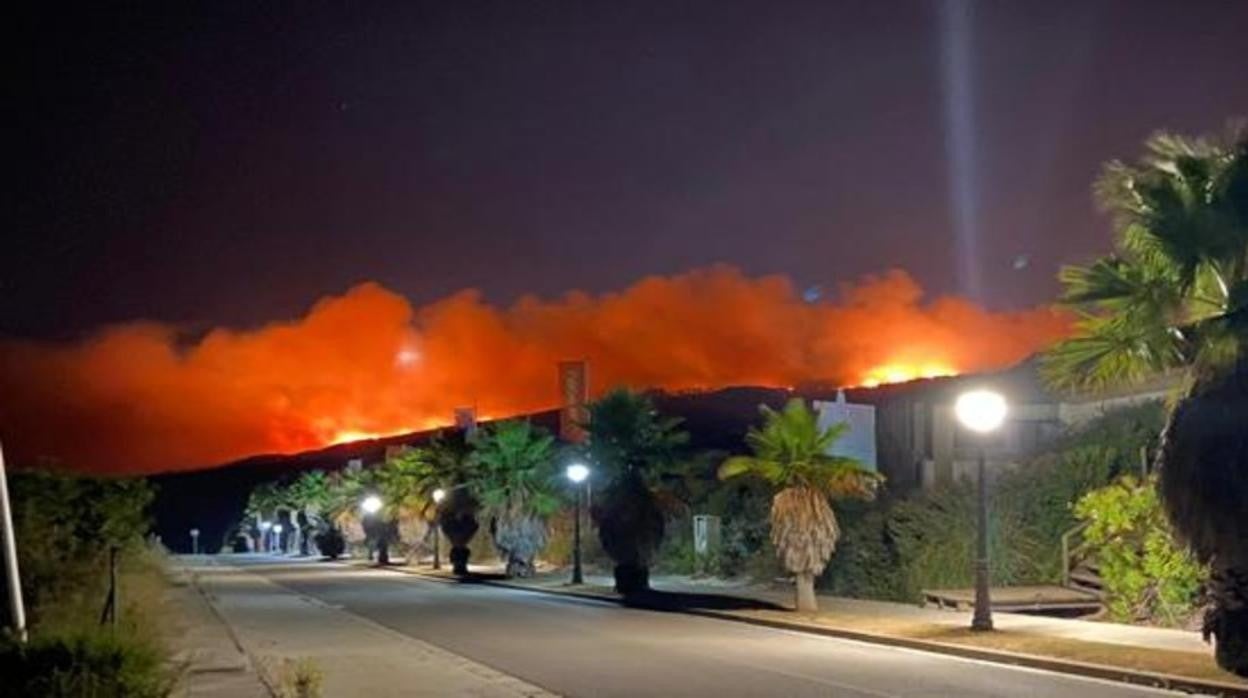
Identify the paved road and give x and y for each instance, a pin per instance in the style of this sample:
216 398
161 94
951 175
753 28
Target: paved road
587 648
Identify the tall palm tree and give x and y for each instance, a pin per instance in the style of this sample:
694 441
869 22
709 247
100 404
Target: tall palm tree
263 504
634 446
450 455
309 494
515 485
347 488
791 454
406 482
1174 298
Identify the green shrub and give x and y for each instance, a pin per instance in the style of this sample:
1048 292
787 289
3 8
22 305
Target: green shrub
330 542
94 665
866 563
1147 576
893 548
65 526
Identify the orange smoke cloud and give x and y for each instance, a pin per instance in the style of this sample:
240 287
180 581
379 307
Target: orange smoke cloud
139 397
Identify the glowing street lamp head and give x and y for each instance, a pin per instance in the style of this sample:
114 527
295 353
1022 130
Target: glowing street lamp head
438 495
264 525
277 528
371 504
577 472
981 410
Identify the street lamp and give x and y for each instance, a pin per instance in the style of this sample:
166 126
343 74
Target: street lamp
264 535
577 473
194 541
370 505
981 411
438 495
277 537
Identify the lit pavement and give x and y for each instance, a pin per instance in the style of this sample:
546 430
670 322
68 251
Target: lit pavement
580 647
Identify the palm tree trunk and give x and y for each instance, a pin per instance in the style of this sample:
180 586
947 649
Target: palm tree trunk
804 587
632 578
1204 484
1227 620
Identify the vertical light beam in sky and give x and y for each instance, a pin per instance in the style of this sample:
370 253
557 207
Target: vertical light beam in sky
959 104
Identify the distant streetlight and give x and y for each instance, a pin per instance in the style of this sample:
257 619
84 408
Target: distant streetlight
371 505
438 495
277 538
578 473
981 411
194 541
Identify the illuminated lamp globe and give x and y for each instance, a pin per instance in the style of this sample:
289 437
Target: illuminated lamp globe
981 410
277 528
264 525
371 504
577 472
438 495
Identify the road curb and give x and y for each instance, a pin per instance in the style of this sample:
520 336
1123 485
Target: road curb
1065 666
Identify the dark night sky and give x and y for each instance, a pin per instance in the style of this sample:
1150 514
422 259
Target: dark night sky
233 163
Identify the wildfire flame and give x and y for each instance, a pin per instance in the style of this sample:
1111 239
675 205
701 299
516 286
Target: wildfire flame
366 364
902 373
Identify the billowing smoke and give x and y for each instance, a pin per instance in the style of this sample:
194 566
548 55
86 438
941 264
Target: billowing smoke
142 397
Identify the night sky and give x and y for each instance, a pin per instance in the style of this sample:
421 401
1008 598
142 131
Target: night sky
231 163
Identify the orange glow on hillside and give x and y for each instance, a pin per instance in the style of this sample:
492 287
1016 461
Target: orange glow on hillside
347 436
903 372
367 363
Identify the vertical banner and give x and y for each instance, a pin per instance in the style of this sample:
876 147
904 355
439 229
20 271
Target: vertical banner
574 397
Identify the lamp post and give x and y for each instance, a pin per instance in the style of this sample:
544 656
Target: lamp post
194 541
13 578
981 411
370 506
277 538
577 473
438 495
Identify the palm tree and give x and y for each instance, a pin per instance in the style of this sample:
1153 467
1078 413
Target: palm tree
450 455
634 446
263 504
515 485
1174 298
406 482
309 494
791 455
347 488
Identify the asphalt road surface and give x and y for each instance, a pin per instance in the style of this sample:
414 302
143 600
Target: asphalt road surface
579 647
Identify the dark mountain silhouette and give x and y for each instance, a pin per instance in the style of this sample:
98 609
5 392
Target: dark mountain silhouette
212 500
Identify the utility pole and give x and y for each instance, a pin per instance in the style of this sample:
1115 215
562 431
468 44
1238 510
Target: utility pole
16 609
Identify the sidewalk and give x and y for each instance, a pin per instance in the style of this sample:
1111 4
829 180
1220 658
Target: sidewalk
1175 658
214 665
1086 630
356 656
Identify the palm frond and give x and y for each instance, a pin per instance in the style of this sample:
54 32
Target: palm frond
1110 350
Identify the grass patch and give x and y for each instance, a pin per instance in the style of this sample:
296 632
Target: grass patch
98 664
